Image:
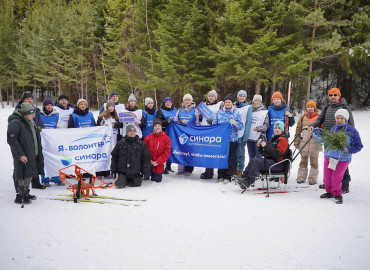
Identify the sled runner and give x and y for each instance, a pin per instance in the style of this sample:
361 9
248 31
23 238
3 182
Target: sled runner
82 188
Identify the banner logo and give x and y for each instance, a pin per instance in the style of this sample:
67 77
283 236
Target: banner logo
66 161
183 138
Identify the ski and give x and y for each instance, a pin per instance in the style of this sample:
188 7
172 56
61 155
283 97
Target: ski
93 201
278 192
108 197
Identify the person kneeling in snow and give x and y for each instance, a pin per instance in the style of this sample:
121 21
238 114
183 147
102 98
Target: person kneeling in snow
275 150
337 160
159 145
130 160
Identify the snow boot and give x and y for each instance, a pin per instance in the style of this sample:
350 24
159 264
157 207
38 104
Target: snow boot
205 176
322 186
345 190
165 171
61 183
46 184
187 173
243 183
31 197
327 195
18 199
239 173
338 199
300 181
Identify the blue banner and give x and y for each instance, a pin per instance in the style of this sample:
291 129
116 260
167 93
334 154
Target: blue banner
126 117
204 110
200 146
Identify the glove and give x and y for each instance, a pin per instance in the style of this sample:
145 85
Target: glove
344 149
210 121
169 120
184 122
233 122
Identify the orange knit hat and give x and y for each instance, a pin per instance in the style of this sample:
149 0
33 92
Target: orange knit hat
334 91
312 103
277 94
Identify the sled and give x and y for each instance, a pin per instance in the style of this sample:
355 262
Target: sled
86 182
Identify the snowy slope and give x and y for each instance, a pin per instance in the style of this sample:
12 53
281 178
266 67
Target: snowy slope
188 223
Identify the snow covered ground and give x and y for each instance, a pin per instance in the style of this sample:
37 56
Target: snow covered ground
188 223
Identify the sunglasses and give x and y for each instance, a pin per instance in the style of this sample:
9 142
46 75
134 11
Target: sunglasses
333 95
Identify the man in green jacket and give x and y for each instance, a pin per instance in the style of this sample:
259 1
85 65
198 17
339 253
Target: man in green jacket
25 143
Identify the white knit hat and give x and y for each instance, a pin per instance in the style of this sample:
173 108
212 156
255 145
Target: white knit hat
212 92
131 98
81 100
148 100
257 97
342 112
187 96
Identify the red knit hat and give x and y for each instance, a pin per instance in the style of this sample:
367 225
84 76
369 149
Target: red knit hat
277 94
312 103
334 91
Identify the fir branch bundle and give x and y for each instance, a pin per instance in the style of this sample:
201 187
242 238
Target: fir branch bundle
334 140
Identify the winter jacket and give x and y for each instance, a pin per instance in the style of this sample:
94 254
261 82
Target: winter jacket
138 116
37 120
190 116
276 148
131 157
64 114
245 112
22 143
147 121
81 119
166 113
261 128
51 120
278 114
159 146
327 115
353 146
302 129
224 116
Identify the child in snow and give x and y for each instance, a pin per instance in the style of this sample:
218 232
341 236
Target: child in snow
337 161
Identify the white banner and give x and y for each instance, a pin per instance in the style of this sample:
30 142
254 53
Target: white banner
90 148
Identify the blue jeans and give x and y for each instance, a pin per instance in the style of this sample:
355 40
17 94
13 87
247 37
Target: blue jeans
47 179
253 150
240 155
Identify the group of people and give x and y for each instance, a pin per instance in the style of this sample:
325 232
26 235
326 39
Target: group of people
142 146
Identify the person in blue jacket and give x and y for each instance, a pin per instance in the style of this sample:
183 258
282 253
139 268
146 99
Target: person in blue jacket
149 114
336 161
167 114
81 117
50 118
277 112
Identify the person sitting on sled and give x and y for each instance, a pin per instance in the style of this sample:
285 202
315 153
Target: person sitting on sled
273 151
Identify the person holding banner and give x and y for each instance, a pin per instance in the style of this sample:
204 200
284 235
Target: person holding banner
81 117
245 112
228 114
113 96
277 112
260 124
214 106
167 114
51 119
159 145
131 160
108 118
149 114
186 116
64 109
131 115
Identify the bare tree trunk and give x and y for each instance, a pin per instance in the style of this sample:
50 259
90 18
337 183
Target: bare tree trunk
273 86
55 88
12 94
311 60
258 86
1 98
34 93
59 86
87 96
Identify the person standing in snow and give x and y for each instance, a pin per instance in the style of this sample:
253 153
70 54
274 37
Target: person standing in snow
64 109
337 160
312 148
24 140
159 145
149 114
327 119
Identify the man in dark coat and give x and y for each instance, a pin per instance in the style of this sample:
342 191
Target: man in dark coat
327 118
130 160
25 144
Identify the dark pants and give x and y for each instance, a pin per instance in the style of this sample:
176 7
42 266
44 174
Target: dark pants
255 165
23 186
35 182
156 177
346 179
189 168
227 173
168 165
253 150
209 172
122 181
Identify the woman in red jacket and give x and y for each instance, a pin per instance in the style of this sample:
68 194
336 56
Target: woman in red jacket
159 145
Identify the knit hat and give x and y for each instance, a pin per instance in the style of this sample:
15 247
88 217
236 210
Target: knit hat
26 95
113 93
187 96
157 122
110 103
81 100
47 101
167 99
311 103
277 94
27 108
229 97
334 91
279 124
257 97
130 127
131 98
242 92
212 92
63 97
342 112
148 100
